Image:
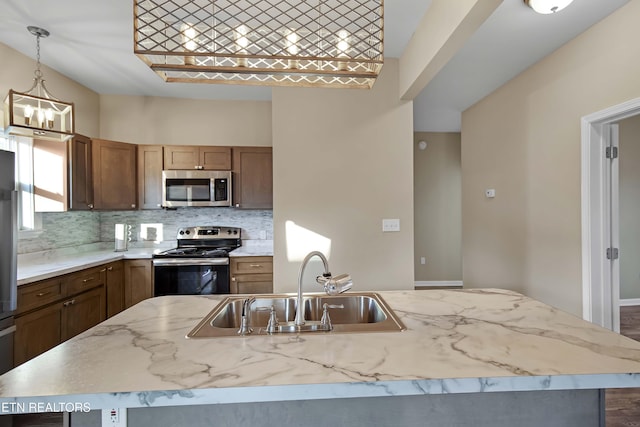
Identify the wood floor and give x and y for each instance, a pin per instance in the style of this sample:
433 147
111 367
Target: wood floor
623 405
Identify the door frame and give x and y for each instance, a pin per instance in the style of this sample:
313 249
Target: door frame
600 301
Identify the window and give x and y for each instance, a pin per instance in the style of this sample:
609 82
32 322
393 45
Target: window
23 148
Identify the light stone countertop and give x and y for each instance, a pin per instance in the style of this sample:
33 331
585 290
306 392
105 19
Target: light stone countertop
457 341
48 264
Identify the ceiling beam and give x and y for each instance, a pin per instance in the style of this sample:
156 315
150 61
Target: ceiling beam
444 29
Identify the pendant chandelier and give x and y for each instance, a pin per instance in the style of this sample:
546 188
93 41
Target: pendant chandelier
36 113
325 43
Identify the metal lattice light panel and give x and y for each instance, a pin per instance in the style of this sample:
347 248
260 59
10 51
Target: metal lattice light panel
326 43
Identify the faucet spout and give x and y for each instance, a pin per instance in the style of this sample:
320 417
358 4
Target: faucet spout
299 320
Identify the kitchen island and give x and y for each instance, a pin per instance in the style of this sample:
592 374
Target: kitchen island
462 357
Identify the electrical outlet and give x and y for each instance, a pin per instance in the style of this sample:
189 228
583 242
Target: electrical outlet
390 225
114 417
490 193
423 260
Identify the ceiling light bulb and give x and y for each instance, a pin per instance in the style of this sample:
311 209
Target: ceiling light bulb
292 39
188 36
40 117
241 36
49 114
547 6
343 41
28 111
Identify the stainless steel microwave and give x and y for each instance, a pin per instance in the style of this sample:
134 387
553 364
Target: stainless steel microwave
196 188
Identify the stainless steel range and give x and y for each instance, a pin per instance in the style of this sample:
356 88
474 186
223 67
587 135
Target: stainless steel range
200 263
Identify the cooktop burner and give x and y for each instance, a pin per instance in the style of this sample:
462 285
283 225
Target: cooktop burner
204 242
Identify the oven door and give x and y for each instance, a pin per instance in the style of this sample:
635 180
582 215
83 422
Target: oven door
193 276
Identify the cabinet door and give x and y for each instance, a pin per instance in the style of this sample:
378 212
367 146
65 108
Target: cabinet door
150 176
181 157
37 332
115 288
215 158
138 281
83 311
251 284
80 176
114 174
253 177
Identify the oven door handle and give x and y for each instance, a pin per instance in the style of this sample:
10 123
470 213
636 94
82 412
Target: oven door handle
170 262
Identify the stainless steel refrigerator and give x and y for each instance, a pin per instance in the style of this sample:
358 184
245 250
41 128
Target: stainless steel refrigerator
8 257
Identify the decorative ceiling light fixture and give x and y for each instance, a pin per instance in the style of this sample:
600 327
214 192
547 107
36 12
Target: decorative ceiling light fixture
325 43
547 6
36 113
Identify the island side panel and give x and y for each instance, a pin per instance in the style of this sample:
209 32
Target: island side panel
559 408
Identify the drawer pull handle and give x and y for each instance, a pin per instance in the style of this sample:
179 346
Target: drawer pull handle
103 270
41 294
88 280
110 268
68 303
255 265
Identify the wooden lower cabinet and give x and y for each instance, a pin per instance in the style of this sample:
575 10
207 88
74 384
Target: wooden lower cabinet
115 287
83 311
138 281
37 332
251 275
53 310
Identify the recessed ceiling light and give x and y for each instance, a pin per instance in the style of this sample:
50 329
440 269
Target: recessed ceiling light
547 6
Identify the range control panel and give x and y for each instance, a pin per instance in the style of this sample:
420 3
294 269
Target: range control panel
208 232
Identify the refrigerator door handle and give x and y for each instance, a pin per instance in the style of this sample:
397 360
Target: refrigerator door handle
7 331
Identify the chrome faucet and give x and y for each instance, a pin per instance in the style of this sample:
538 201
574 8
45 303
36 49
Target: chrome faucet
332 285
245 322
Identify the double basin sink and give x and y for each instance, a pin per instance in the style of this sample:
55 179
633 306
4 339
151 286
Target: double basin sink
349 313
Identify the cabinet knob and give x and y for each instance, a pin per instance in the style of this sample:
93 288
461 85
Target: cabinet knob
233 279
90 205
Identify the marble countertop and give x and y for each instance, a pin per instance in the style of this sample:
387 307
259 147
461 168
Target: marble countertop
44 265
457 341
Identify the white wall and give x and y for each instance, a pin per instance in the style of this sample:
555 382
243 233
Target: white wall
342 163
437 199
629 191
524 141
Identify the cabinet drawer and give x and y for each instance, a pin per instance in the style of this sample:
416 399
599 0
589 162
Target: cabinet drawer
252 265
84 280
39 294
252 284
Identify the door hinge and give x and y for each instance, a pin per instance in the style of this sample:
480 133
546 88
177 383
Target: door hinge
612 152
612 253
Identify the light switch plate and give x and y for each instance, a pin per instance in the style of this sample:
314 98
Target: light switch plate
390 225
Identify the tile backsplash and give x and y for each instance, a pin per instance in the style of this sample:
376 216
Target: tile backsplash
148 227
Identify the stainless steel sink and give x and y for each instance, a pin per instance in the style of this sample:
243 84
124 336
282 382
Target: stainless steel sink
361 312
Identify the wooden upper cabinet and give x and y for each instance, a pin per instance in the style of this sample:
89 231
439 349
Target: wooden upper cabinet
80 173
197 157
114 175
253 177
150 176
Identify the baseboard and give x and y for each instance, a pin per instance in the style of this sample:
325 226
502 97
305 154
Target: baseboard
425 284
629 301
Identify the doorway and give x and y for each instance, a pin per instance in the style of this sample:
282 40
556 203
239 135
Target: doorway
601 215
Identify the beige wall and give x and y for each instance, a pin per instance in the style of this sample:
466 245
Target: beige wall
342 163
437 211
629 192
524 141
16 72
176 121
